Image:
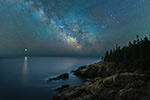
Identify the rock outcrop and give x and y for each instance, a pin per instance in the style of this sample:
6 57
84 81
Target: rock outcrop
101 69
62 76
63 87
123 86
108 81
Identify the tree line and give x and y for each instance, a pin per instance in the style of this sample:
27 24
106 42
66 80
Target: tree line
137 52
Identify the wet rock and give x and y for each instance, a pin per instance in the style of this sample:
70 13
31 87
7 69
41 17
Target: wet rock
63 87
62 76
108 81
123 86
67 94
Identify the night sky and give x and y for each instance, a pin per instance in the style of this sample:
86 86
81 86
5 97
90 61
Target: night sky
70 27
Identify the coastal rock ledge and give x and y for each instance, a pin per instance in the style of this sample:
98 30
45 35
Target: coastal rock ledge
62 76
110 82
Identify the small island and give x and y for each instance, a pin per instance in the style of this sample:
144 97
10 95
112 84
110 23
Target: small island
124 74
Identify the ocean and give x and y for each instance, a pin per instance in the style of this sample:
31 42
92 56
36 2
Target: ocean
22 79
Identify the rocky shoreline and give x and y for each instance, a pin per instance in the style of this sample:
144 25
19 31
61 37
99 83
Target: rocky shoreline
108 81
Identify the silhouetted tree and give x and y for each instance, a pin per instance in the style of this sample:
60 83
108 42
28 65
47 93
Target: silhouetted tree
134 42
137 37
106 56
137 53
130 44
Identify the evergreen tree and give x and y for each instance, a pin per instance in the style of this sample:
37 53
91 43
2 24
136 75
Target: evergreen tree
137 37
137 53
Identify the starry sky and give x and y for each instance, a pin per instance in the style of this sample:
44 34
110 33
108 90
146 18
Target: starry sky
70 27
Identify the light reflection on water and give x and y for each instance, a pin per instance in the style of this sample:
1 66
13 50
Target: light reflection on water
27 79
25 72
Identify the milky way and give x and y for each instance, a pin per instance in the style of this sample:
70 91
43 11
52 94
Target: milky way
70 27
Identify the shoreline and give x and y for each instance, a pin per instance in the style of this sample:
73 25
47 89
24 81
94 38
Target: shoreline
108 81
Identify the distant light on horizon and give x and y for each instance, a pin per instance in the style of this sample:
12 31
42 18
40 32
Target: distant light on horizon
25 50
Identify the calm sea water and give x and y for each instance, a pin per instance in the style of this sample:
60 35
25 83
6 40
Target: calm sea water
27 80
